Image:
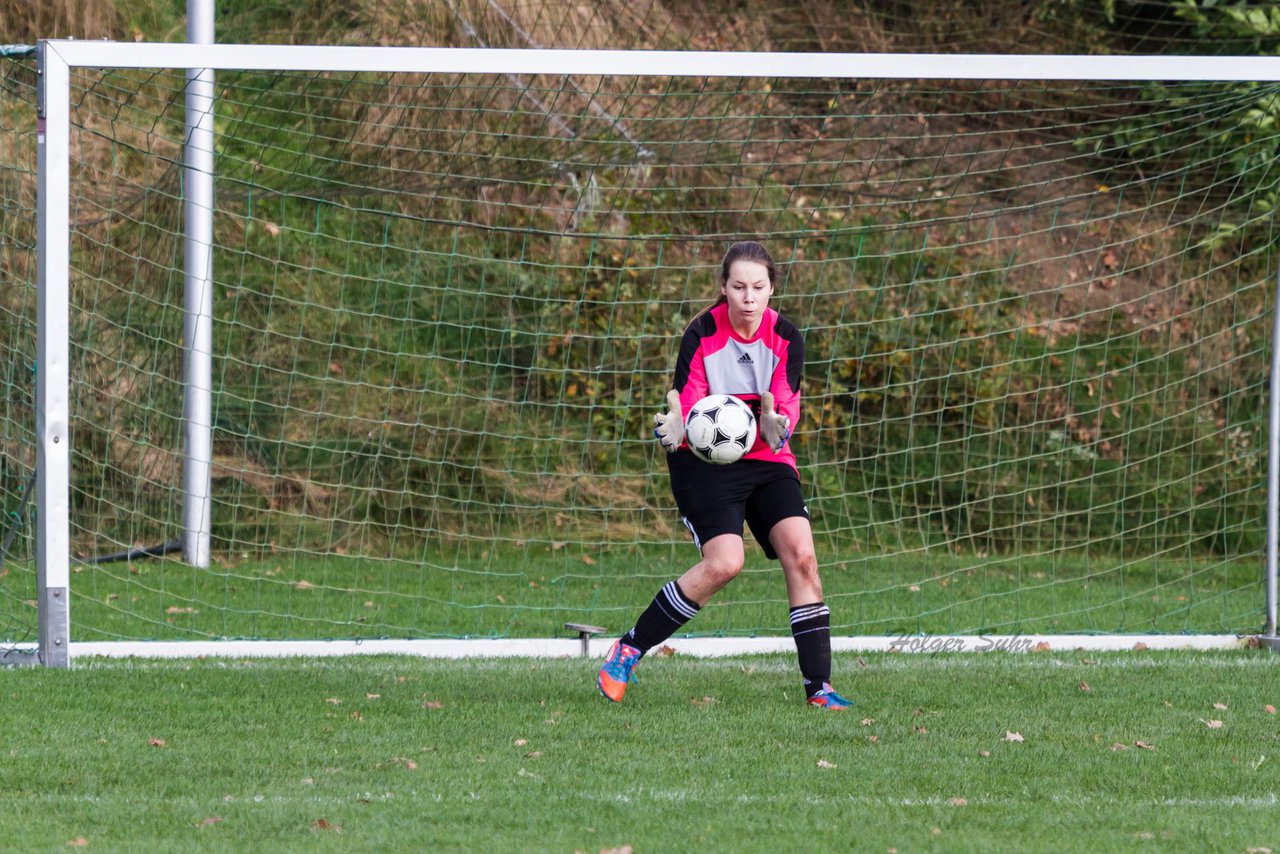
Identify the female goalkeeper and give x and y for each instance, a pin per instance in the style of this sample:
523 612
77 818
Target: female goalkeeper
742 347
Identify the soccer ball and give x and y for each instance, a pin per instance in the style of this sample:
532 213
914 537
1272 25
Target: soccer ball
720 428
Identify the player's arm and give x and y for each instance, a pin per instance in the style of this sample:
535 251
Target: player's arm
780 406
689 386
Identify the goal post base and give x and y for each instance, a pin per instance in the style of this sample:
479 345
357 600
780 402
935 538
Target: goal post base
25 656
1270 642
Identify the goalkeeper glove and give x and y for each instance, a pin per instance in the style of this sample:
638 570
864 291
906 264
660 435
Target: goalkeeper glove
775 428
668 426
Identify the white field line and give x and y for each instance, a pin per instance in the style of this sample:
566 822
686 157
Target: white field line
599 646
1267 801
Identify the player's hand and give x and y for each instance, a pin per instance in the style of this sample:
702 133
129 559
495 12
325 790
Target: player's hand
775 428
668 426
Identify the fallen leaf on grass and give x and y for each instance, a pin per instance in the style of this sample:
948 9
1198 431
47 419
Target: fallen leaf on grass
1084 686
1119 746
211 821
1258 850
665 651
984 753
1013 736
873 738
156 742
1222 707
957 802
868 721
1269 709
521 742
433 704
373 696
323 824
1212 724
705 701
78 842
333 701
822 763
303 584
533 754
1144 745
178 609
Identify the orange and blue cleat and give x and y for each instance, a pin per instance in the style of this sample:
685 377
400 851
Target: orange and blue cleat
827 698
618 669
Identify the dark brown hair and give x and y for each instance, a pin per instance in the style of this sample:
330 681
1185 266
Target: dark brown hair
746 250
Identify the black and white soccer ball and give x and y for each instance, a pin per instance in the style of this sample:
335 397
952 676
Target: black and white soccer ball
720 429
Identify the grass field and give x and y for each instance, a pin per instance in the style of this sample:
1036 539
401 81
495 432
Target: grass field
1136 751
534 591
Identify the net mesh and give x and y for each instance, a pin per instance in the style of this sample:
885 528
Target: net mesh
1036 320
17 344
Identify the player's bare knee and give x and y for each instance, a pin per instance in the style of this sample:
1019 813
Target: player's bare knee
805 567
724 570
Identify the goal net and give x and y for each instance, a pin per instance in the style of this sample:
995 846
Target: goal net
1037 317
17 344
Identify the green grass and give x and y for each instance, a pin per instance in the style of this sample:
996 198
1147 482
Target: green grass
532 592
704 755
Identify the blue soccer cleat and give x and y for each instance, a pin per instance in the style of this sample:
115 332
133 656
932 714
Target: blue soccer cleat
618 669
827 698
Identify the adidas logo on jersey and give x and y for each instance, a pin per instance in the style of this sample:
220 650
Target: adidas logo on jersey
745 359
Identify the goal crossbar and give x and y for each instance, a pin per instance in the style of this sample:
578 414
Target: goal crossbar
667 62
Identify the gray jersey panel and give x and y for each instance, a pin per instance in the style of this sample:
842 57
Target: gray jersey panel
739 368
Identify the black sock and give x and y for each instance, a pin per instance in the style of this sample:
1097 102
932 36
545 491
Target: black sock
811 627
668 611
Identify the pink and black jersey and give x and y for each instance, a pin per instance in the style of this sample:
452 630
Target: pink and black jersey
716 360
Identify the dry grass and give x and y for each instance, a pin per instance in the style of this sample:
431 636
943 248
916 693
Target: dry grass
25 21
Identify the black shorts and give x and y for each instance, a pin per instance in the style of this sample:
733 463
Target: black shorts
715 500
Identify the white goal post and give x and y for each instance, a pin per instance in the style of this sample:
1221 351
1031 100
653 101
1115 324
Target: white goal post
58 59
